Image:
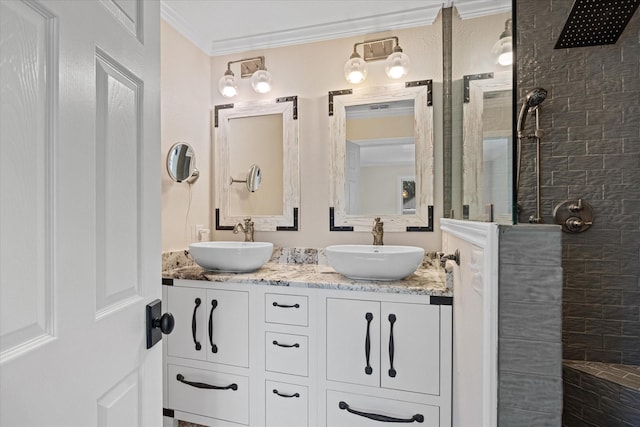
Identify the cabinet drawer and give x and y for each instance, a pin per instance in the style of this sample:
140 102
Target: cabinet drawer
287 353
339 416
286 309
226 404
287 405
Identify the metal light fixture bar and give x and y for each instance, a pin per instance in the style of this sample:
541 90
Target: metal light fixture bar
378 49
248 66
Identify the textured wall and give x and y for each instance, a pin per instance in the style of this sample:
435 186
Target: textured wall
529 329
590 150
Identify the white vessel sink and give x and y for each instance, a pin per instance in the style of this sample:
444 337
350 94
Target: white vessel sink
234 257
368 262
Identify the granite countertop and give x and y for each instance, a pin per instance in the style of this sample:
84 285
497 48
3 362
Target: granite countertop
307 268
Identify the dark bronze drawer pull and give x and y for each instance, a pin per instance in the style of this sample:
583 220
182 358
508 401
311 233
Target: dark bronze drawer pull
194 324
233 386
296 345
417 418
275 304
285 395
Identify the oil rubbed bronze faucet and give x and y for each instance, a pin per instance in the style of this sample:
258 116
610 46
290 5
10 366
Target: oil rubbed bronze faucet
377 231
246 228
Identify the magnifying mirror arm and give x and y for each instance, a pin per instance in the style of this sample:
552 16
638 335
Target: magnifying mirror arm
194 176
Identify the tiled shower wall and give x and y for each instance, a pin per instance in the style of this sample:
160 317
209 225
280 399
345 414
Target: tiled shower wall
590 150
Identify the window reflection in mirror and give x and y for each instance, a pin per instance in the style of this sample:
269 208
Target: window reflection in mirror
256 139
380 148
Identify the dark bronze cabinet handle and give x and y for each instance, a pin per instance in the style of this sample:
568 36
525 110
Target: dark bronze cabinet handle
275 304
180 378
214 304
367 344
285 395
194 324
296 345
392 321
417 418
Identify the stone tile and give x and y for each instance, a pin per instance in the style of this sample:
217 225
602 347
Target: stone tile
515 417
530 357
530 393
530 321
541 284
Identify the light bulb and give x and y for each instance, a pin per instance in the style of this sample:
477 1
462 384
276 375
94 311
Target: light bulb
397 65
355 70
261 81
228 85
505 58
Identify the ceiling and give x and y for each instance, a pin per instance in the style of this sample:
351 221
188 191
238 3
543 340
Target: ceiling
221 27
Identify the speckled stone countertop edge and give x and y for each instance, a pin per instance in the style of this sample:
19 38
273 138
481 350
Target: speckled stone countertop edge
307 268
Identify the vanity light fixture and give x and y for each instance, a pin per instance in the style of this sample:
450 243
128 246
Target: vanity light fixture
249 67
503 48
397 62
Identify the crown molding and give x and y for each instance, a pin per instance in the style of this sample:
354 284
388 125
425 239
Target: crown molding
322 32
476 9
181 25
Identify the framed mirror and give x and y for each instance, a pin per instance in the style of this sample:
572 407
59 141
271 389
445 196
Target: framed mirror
181 163
381 158
257 133
487 140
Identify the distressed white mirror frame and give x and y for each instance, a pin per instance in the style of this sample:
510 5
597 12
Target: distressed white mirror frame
473 137
420 92
287 107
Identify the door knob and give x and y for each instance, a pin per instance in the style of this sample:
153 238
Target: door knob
165 323
157 323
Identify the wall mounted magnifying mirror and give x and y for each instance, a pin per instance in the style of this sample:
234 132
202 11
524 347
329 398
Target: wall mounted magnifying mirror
253 179
382 158
264 132
181 163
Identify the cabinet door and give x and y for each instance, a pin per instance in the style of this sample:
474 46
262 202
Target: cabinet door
188 306
353 341
410 349
227 335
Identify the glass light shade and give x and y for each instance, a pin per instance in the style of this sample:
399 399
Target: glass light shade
355 70
228 86
397 65
503 51
261 81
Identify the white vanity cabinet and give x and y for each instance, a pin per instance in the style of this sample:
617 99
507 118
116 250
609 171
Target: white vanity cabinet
305 357
387 359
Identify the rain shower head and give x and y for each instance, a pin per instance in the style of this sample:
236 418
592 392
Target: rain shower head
596 22
532 100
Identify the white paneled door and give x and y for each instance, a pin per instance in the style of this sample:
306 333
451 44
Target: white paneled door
79 212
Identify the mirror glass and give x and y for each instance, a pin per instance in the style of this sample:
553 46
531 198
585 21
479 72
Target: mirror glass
181 163
251 134
380 158
254 177
482 119
378 137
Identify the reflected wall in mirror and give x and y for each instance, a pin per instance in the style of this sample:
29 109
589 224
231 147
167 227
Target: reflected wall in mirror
487 149
380 148
382 158
266 134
